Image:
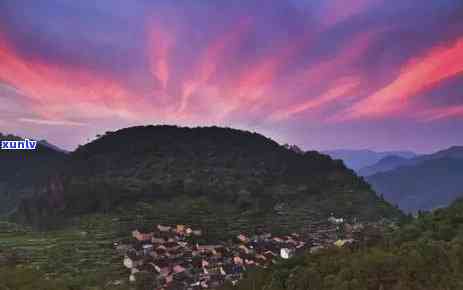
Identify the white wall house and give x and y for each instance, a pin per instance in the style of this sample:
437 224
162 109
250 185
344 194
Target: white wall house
286 253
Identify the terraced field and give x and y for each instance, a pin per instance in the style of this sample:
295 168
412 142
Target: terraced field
81 252
79 255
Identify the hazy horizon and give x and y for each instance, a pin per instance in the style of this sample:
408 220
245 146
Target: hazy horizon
91 138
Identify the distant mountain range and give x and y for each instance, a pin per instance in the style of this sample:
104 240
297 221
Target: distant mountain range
413 182
393 161
421 183
358 159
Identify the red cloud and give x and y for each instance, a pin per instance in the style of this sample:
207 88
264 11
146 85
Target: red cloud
415 77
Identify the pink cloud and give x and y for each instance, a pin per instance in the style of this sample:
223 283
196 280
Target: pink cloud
52 122
256 83
56 90
209 61
334 92
321 83
435 114
418 75
160 44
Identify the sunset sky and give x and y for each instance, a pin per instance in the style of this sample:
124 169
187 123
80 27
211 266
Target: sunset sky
326 74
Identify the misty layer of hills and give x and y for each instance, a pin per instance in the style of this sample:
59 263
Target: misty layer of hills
415 183
422 183
358 159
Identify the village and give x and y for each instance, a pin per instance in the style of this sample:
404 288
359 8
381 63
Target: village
172 257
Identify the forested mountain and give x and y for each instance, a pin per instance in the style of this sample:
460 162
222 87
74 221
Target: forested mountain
251 178
425 253
357 159
425 182
22 171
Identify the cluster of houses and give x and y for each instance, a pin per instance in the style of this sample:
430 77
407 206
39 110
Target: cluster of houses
174 258
332 232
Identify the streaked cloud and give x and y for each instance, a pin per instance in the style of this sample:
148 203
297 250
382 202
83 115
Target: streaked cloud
280 66
418 75
213 56
440 113
51 122
337 11
160 43
51 89
338 90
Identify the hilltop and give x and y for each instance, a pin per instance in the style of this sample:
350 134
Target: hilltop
239 178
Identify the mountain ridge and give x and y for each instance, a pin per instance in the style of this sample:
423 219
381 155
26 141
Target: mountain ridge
387 163
360 158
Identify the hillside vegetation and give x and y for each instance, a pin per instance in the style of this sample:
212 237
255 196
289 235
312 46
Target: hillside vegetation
425 254
239 176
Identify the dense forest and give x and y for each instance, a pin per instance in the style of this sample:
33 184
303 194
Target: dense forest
245 171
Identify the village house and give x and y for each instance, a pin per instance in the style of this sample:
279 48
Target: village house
242 238
341 243
162 228
170 254
142 236
286 253
336 220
